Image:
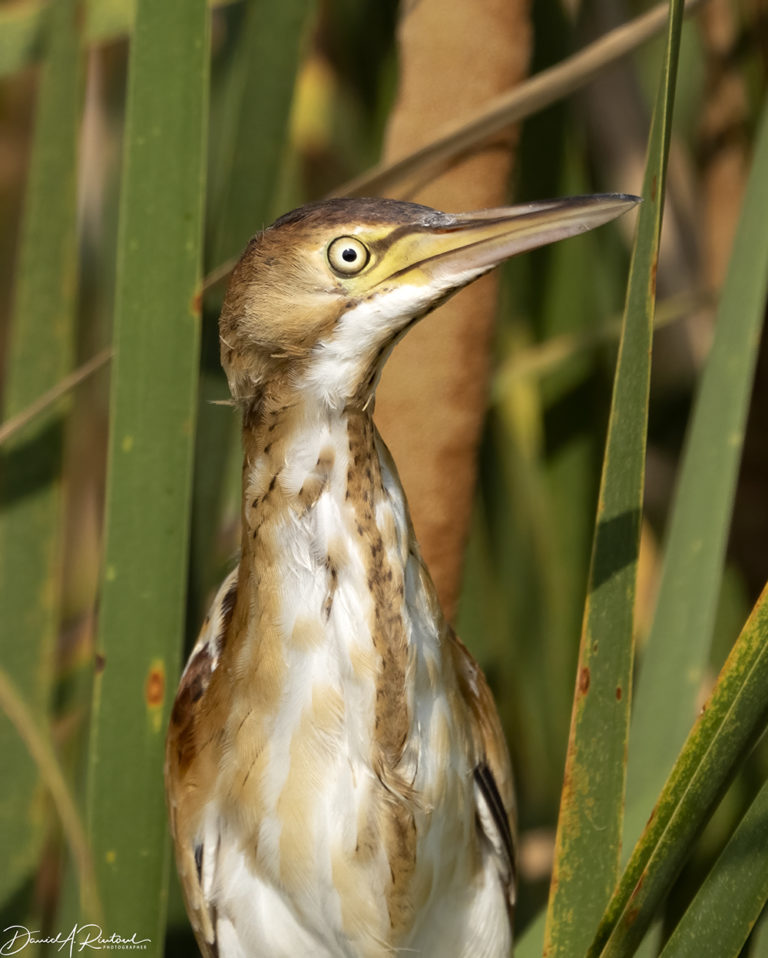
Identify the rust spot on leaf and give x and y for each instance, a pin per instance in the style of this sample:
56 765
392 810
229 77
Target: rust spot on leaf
584 680
154 688
654 184
618 693
99 663
197 303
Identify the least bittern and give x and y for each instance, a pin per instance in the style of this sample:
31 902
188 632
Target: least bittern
337 777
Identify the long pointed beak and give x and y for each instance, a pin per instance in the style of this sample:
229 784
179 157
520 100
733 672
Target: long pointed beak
460 247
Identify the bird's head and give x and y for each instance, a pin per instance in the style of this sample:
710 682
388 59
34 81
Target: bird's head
319 298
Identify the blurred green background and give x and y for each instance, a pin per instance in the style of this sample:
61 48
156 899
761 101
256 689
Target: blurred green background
299 97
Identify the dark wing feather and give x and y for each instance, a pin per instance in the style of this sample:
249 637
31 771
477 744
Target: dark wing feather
493 821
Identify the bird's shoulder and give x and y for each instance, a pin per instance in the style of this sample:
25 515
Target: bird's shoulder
493 782
185 772
195 679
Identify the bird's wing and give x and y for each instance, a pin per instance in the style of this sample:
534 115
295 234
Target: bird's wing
190 767
494 794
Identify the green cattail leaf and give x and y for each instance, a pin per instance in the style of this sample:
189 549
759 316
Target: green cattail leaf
591 809
152 425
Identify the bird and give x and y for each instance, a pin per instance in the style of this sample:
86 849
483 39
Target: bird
337 779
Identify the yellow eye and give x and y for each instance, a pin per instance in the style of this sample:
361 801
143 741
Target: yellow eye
347 255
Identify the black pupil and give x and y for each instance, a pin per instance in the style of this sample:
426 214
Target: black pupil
349 255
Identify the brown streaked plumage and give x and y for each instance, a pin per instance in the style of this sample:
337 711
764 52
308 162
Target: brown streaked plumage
337 778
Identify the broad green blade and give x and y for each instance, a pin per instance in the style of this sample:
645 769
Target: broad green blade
677 650
591 810
732 720
40 353
152 423
721 916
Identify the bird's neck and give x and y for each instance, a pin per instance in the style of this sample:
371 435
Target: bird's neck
329 565
311 467
336 644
